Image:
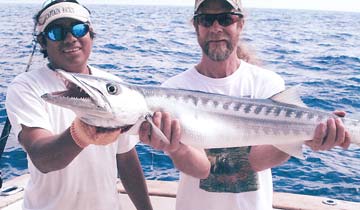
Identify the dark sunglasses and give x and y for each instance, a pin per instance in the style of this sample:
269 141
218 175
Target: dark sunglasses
58 33
224 19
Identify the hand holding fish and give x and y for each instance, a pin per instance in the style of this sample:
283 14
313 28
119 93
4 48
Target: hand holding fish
190 160
330 134
84 134
169 127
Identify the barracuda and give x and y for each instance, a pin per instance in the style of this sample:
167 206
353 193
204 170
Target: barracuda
207 120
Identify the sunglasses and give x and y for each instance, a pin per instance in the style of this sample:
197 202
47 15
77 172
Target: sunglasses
58 33
224 19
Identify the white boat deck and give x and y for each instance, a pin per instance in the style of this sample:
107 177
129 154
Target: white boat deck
163 193
159 203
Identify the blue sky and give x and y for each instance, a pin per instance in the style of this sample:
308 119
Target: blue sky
338 5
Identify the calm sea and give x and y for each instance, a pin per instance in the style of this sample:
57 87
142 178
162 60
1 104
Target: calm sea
148 44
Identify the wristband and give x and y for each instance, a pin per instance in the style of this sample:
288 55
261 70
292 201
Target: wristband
81 143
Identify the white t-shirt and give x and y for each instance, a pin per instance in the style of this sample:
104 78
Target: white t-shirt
231 185
89 181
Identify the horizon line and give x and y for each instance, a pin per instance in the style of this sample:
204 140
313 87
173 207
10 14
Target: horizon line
186 5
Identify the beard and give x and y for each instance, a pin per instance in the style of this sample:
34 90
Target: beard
218 52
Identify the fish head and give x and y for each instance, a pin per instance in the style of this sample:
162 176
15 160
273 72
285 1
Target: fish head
99 101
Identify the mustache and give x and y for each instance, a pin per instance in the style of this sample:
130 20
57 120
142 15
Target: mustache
216 38
208 41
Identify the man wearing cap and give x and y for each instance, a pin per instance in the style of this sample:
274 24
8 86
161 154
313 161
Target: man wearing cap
231 178
73 166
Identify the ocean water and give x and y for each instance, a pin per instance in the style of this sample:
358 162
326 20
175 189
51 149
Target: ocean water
148 44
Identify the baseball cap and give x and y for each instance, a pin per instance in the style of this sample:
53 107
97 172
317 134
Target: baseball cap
62 10
234 3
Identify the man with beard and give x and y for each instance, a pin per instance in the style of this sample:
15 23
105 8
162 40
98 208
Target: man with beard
231 178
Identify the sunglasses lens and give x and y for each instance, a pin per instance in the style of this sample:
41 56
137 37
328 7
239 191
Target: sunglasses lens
79 30
206 20
226 19
58 33
55 33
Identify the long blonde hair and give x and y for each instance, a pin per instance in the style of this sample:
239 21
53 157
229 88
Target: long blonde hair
244 52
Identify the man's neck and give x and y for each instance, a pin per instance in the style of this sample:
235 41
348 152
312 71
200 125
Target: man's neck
83 69
218 69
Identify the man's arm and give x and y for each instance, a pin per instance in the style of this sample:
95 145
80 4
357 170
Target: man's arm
48 152
191 161
265 157
133 180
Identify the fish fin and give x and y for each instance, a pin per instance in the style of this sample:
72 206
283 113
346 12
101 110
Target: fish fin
289 96
294 150
156 130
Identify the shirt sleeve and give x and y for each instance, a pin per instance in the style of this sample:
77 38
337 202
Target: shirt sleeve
25 107
268 83
277 85
126 143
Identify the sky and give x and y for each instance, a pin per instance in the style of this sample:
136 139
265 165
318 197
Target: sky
333 5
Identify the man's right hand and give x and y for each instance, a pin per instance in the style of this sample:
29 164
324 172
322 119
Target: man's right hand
168 126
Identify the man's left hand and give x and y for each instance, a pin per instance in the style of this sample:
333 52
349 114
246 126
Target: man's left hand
330 134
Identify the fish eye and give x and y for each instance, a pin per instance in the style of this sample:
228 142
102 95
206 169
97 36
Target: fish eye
112 89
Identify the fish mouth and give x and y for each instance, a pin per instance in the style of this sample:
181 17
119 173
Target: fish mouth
77 94
85 99
123 128
72 91
85 90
